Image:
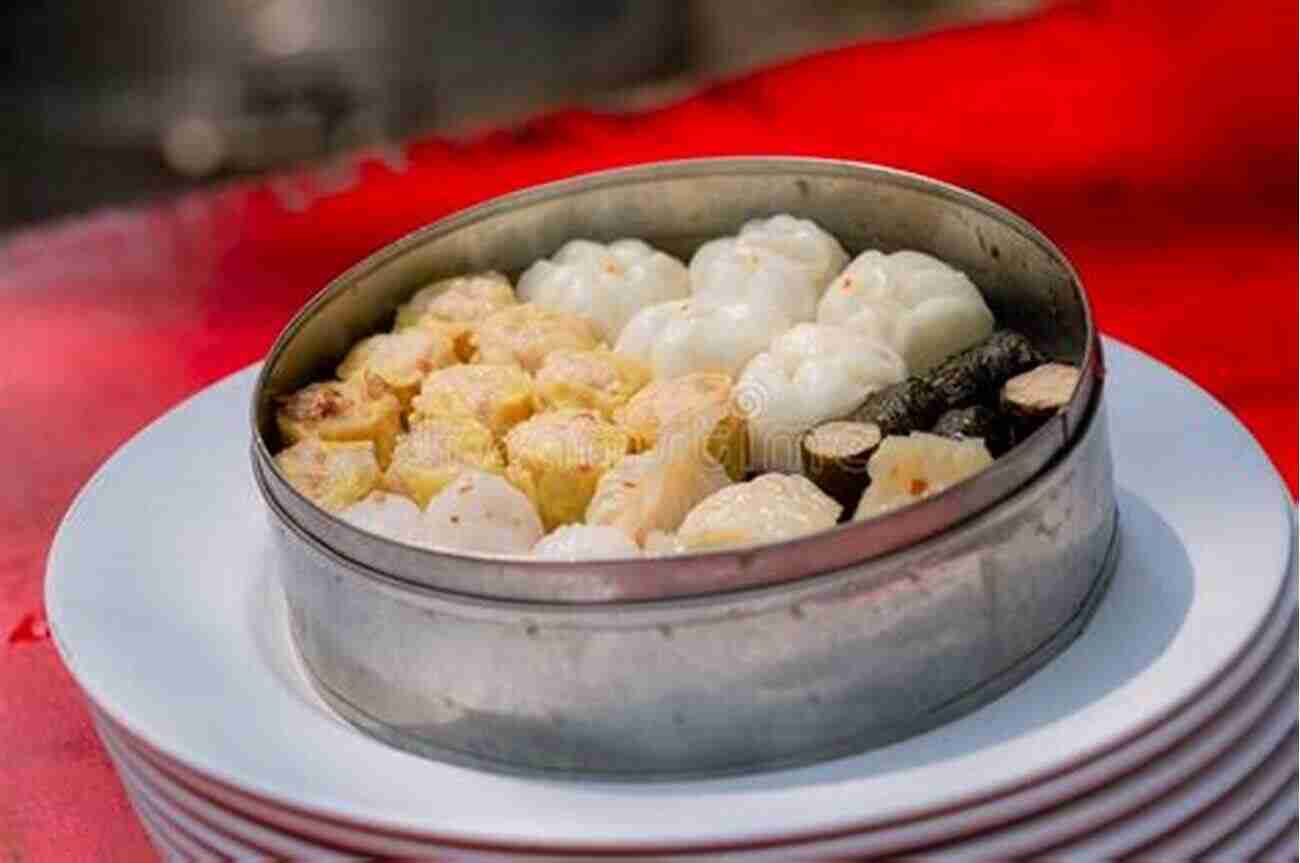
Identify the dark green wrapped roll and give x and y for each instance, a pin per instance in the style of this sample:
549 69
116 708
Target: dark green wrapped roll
978 421
835 456
976 375
907 406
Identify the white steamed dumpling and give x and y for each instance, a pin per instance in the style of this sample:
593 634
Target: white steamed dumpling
393 516
811 373
781 263
652 491
606 283
686 336
585 542
799 240
769 508
918 305
481 512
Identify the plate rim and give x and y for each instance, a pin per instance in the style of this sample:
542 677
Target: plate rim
1258 682
404 826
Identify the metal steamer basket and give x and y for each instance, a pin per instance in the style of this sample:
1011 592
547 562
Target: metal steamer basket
728 661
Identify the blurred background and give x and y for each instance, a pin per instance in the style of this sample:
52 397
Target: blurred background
108 103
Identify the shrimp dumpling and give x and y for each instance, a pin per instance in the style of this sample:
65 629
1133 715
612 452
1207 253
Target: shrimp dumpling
687 336
481 512
651 492
393 516
800 240
585 542
770 508
781 263
606 284
918 305
906 469
812 373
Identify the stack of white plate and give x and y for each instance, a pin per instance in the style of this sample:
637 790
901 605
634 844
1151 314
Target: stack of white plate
1166 731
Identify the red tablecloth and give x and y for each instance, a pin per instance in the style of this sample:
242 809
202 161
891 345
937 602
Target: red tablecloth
1155 141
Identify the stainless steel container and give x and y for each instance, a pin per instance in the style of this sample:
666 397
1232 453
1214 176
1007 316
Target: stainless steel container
733 660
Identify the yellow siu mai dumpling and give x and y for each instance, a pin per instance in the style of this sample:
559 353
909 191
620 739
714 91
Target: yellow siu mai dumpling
598 380
330 475
360 408
499 396
401 360
464 299
669 402
435 451
558 457
526 333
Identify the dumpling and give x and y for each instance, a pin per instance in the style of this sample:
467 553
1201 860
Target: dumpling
606 284
496 395
812 373
652 492
332 475
585 542
918 305
770 508
800 240
659 543
698 404
481 512
557 458
904 470
401 360
360 408
686 336
781 263
525 334
599 380
435 451
460 299
393 516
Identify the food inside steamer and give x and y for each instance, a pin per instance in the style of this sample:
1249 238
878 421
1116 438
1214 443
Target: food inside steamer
360 408
977 421
499 396
904 470
458 300
835 458
702 397
437 450
766 390
600 380
558 457
401 360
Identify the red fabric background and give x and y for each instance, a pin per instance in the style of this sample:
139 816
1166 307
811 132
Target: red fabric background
1156 142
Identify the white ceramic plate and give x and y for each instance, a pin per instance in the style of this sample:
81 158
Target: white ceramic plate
1270 835
159 588
1178 788
1092 796
225 833
1195 770
1249 808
